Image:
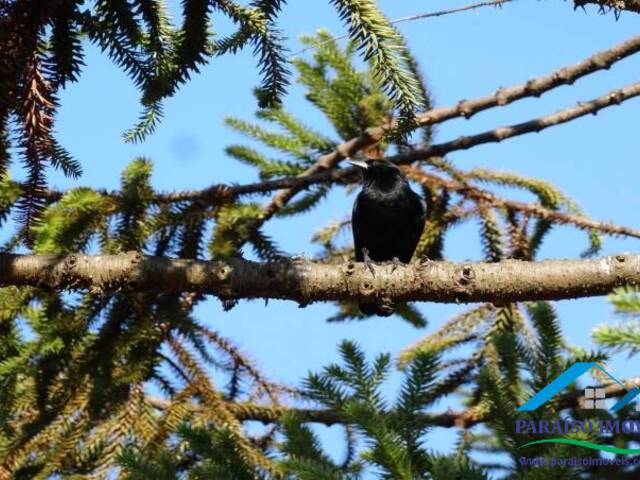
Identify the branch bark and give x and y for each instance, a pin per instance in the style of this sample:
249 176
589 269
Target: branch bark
304 281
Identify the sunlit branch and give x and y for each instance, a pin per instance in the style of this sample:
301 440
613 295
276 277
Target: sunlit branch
305 281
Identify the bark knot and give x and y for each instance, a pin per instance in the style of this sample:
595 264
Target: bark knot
533 87
616 97
501 96
367 288
467 275
464 109
223 273
348 268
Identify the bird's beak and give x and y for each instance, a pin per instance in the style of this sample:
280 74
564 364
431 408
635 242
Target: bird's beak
358 163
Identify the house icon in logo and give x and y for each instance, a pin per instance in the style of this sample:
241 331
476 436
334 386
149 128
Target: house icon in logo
594 396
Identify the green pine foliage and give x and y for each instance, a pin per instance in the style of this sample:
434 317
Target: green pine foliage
384 47
387 439
548 195
517 369
160 55
623 336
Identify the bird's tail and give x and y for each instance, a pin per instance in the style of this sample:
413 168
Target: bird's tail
383 309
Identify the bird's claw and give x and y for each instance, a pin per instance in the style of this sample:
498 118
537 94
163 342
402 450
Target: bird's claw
367 261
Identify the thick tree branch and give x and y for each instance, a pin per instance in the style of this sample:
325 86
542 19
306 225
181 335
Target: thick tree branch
462 419
304 281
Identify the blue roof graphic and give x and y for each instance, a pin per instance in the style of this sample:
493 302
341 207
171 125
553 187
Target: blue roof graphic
569 376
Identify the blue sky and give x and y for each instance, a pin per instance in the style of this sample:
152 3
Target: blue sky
593 159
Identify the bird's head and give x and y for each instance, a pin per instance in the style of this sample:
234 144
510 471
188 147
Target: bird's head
383 173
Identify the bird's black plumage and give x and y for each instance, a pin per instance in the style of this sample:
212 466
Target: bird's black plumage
388 217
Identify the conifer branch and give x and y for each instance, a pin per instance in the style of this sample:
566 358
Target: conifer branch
305 281
501 97
224 193
487 198
534 87
464 108
245 411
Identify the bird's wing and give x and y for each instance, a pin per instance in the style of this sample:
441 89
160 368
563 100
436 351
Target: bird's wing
423 206
419 219
356 228
423 215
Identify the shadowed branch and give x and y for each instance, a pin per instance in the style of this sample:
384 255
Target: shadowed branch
461 419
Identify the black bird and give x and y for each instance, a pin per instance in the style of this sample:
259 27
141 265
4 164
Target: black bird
388 219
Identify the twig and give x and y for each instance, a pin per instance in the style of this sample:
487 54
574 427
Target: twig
439 13
614 97
226 193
